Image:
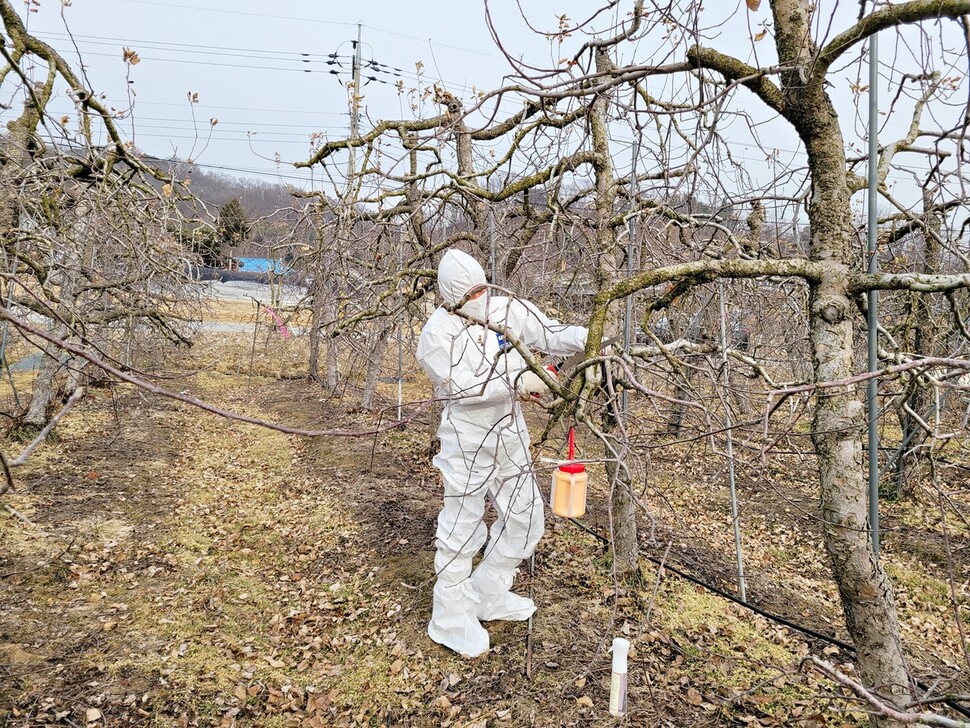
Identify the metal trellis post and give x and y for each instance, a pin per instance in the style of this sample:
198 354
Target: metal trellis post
872 388
728 425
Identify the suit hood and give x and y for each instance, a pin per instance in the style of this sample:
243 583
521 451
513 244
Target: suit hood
458 273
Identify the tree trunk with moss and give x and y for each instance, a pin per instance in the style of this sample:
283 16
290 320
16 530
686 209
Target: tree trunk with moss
839 419
623 513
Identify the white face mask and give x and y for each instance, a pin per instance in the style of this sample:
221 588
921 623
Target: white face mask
476 307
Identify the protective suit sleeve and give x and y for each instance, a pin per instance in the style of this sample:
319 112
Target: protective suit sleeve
539 332
462 370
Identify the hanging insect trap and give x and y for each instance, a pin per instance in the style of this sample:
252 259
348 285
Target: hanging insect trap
569 484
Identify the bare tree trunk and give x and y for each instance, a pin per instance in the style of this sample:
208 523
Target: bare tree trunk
683 394
44 391
331 377
45 385
375 365
925 343
684 375
324 308
626 550
839 421
15 160
332 382
623 517
739 396
316 326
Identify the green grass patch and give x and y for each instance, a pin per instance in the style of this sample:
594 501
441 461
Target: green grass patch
921 588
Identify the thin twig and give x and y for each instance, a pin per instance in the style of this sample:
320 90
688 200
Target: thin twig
72 400
13 511
878 704
40 566
147 386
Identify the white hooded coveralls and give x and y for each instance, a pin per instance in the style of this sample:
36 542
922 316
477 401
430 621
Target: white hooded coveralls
484 451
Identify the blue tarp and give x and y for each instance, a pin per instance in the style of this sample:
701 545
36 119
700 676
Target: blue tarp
263 265
253 275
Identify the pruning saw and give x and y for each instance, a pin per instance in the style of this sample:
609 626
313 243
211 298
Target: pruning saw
571 362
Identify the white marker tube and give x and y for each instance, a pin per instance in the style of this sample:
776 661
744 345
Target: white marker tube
620 649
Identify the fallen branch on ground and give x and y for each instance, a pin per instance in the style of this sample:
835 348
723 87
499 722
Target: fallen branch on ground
877 703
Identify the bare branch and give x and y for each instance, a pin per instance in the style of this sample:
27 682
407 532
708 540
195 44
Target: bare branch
883 19
879 704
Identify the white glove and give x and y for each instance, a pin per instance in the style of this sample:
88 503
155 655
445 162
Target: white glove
532 384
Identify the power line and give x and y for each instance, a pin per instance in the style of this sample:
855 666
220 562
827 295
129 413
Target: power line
316 20
202 106
159 159
205 129
230 51
203 137
205 63
238 12
256 139
139 118
432 43
205 126
245 170
190 47
302 58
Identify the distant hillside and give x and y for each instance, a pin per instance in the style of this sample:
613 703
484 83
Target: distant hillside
272 215
258 197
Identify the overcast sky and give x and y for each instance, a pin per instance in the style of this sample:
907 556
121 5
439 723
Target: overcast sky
265 71
261 69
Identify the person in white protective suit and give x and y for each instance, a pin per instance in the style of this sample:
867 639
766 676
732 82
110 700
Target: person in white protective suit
484 448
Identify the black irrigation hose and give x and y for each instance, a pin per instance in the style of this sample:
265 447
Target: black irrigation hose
788 623
768 615
757 610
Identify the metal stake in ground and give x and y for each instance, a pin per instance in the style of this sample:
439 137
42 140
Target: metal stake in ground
252 351
528 639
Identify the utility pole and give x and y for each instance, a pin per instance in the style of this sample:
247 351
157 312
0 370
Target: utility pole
354 105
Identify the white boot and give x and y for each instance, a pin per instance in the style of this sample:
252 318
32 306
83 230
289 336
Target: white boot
496 601
453 621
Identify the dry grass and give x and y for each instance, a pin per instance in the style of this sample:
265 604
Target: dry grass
185 570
